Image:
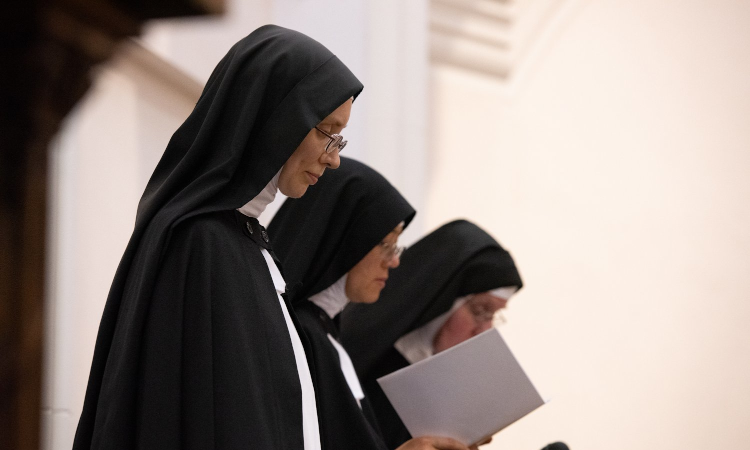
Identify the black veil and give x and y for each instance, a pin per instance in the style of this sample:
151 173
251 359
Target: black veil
321 237
261 100
457 259
327 232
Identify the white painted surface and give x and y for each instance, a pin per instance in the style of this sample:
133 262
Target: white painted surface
195 45
100 165
613 163
612 160
383 42
114 139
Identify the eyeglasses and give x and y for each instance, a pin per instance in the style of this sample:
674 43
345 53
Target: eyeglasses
480 311
483 312
336 141
388 251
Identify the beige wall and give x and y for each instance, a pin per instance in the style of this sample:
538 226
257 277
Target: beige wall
613 163
609 153
99 166
111 143
383 42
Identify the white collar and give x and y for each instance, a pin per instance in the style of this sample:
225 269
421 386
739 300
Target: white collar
418 344
333 299
255 207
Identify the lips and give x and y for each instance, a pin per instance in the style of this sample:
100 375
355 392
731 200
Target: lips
313 178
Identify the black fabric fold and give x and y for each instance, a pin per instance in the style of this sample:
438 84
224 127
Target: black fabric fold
322 235
192 349
320 238
455 260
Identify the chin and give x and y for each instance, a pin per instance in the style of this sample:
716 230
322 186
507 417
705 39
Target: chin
295 191
372 297
366 297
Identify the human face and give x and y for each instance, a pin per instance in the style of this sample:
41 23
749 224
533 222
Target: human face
368 277
310 160
472 318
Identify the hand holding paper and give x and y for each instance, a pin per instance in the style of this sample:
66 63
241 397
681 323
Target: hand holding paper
468 392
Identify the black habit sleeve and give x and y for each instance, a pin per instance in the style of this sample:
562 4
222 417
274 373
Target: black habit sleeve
455 260
217 368
192 350
343 424
322 236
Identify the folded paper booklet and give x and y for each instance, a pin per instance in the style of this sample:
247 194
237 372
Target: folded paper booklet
468 392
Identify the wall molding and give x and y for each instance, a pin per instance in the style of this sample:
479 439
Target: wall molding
486 36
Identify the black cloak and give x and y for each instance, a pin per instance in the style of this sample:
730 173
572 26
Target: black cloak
193 351
455 260
321 237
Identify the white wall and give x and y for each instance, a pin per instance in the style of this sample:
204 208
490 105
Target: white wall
613 163
99 167
383 42
111 143
611 160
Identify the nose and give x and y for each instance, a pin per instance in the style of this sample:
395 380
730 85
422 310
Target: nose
331 160
394 262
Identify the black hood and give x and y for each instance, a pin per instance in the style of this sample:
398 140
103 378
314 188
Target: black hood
455 260
261 100
324 234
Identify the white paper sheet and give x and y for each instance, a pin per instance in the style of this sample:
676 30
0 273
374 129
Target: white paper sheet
468 392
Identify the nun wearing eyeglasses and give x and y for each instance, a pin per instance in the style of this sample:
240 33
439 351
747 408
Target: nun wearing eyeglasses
447 289
337 245
197 348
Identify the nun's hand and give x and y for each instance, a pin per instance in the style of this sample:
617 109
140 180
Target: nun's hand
432 443
482 442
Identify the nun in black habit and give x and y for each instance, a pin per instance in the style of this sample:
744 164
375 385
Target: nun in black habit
337 245
446 290
197 348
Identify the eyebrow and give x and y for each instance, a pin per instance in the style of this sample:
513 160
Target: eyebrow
338 123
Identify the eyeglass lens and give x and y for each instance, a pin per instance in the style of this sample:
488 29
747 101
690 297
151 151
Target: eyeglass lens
390 251
337 142
481 312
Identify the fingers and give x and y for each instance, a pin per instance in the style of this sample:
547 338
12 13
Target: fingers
432 443
446 443
483 442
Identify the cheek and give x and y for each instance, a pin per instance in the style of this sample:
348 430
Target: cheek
460 326
451 333
354 285
304 153
309 151
361 286
373 291
288 184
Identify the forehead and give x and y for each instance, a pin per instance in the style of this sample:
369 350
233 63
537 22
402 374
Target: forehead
485 298
340 116
394 234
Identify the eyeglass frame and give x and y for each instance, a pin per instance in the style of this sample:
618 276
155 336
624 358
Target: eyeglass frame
389 251
481 317
333 138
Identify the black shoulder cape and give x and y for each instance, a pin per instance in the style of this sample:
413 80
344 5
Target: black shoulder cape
192 349
320 238
455 260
